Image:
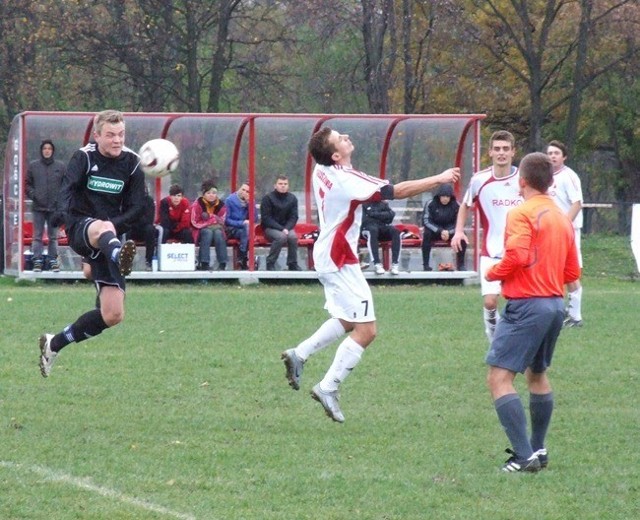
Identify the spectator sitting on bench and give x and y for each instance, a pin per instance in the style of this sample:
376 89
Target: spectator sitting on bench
377 218
207 219
279 215
439 219
237 221
175 216
143 230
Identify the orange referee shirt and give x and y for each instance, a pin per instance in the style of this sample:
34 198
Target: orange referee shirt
540 252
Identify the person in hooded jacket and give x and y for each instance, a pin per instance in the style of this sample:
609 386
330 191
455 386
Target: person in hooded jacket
44 177
439 220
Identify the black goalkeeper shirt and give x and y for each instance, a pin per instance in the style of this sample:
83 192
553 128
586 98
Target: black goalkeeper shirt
106 188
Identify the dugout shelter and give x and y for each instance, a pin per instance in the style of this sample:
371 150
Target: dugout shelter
233 148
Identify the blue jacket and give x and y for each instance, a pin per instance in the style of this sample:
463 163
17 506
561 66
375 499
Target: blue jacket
238 211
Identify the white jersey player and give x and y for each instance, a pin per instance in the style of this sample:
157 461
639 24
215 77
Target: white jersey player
494 196
340 190
567 192
493 191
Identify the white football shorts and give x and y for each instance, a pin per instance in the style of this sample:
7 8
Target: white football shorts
487 287
578 235
348 295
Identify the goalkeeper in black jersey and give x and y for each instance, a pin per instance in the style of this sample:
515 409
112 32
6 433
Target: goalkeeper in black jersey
102 194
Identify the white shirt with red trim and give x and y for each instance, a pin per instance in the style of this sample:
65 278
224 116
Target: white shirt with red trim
493 197
339 193
566 190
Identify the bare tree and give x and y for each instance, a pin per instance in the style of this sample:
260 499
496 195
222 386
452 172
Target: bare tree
378 19
537 43
169 54
221 55
19 80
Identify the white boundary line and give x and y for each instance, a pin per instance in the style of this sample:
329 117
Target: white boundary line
85 484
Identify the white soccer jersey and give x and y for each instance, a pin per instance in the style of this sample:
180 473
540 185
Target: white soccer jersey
339 193
494 197
566 190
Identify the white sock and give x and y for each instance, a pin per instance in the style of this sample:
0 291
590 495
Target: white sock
347 357
575 304
115 253
328 332
491 318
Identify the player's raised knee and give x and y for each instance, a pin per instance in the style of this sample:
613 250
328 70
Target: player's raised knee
113 316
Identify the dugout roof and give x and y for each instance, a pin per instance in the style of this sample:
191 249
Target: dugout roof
254 147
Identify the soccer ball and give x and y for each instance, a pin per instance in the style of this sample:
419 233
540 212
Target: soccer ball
159 157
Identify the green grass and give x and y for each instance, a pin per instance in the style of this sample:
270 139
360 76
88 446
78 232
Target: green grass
183 411
608 256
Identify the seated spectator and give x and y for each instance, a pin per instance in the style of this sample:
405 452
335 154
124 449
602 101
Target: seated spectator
439 219
377 225
279 215
144 231
175 216
237 221
207 219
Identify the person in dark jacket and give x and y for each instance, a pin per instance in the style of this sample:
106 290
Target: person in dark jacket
439 220
44 177
175 216
143 230
278 216
377 219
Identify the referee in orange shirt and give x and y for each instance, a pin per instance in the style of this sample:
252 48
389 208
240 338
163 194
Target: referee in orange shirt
540 258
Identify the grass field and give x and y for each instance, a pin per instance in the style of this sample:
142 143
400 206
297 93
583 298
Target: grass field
183 410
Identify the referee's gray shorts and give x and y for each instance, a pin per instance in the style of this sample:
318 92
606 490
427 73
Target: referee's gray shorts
526 334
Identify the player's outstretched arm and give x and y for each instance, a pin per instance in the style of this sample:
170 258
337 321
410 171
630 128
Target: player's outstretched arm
406 189
459 236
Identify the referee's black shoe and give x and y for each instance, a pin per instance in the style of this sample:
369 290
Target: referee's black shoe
516 465
543 457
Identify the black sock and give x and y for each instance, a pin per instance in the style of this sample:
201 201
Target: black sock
88 325
540 410
514 421
107 242
60 340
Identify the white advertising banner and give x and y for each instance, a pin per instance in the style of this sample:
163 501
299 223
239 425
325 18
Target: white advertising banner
177 257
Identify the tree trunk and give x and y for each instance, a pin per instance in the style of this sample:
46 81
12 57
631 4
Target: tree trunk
409 73
375 22
221 57
536 110
579 80
191 59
